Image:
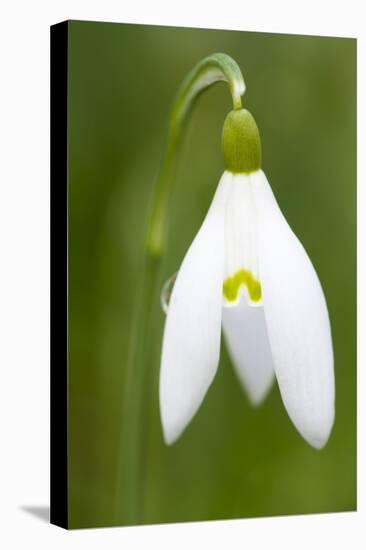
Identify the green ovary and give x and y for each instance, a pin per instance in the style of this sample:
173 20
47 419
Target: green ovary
232 284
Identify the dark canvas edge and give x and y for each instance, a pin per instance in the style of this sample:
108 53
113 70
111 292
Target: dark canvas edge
58 254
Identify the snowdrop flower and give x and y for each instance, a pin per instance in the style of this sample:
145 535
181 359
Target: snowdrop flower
247 272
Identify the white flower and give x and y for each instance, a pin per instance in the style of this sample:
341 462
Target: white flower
247 272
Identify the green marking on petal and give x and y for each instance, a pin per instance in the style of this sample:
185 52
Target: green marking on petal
232 284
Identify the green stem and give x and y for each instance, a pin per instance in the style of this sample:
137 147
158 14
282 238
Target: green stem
215 68
130 483
129 505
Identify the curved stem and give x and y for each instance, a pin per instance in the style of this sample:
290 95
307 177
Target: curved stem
215 68
129 503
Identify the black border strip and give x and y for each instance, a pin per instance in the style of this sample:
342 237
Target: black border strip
59 301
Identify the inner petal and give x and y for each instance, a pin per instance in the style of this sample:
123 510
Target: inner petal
241 276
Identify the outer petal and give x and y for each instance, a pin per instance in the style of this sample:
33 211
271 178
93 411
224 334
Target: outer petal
248 345
191 344
297 321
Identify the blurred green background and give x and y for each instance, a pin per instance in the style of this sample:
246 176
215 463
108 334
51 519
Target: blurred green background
233 460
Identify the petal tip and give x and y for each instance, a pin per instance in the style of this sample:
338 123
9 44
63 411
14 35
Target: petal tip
256 400
257 395
171 430
318 441
169 437
318 435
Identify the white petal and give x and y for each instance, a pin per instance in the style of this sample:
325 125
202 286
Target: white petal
248 345
297 321
191 344
241 255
